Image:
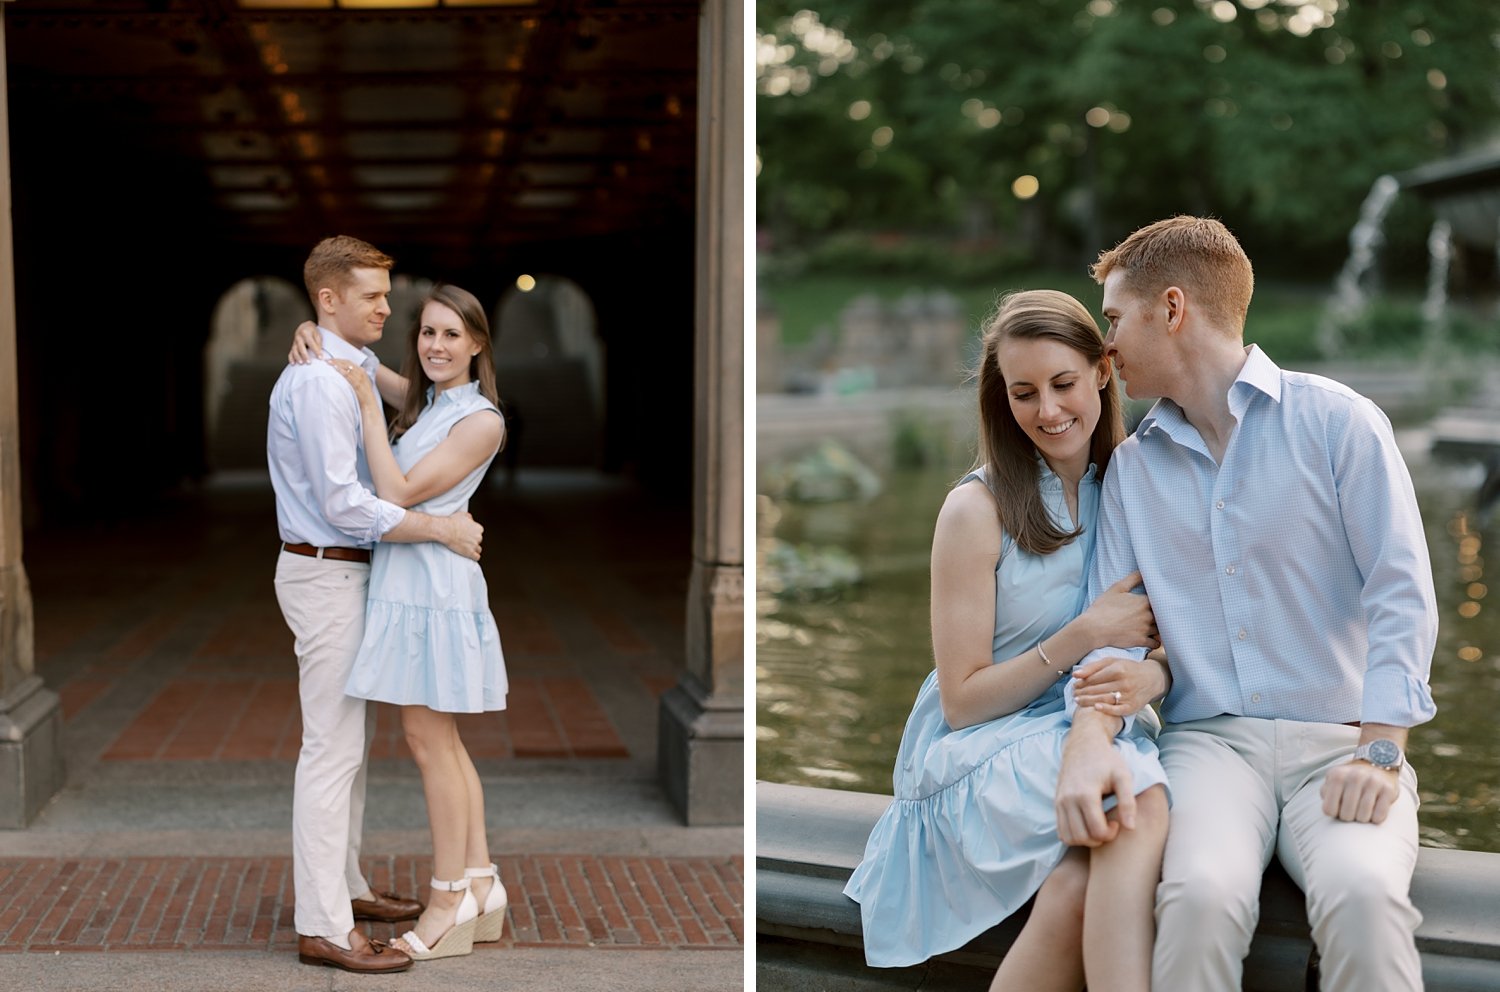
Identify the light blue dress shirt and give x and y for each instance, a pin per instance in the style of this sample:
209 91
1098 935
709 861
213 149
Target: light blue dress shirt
315 450
1290 582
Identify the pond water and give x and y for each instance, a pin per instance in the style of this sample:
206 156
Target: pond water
835 678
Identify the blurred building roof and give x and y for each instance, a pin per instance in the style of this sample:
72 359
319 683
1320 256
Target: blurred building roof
1465 191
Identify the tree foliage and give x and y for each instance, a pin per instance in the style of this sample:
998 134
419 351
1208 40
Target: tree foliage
1275 115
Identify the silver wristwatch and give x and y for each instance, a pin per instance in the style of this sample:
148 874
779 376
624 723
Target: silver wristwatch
1381 753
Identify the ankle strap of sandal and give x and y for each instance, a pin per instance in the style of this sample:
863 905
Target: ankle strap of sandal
457 885
493 871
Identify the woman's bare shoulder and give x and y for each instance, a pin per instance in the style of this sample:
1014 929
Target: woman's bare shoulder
969 513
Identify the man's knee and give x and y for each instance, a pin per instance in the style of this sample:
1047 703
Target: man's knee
1362 902
1217 897
332 754
1360 871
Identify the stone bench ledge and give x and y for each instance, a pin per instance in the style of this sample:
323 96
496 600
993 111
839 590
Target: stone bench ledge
808 841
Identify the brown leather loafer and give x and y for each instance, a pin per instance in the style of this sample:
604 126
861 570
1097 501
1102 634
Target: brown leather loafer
366 956
386 907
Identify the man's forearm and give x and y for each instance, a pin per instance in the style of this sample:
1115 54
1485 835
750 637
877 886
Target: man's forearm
1091 770
417 528
1088 721
459 533
1383 731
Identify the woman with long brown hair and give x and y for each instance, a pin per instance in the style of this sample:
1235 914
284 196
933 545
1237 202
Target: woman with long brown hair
430 644
972 834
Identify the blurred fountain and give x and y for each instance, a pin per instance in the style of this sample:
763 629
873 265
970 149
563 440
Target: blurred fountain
1349 296
1463 192
1435 303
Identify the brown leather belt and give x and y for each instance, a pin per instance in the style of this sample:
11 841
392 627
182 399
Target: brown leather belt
337 554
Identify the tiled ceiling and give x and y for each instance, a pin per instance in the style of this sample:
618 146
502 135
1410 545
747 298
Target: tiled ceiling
449 123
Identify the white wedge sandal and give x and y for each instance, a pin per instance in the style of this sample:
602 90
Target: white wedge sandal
492 915
459 938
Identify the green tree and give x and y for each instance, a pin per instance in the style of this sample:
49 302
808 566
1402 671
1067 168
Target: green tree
1273 114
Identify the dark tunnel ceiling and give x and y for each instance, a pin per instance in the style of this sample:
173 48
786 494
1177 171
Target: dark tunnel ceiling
454 124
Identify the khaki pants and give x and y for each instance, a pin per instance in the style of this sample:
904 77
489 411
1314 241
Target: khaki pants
1243 788
323 602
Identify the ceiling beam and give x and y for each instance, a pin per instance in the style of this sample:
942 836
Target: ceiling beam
239 51
192 82
543 59
145 13
472 123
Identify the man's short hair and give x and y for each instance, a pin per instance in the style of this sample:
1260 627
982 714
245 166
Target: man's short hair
332 261
1197 254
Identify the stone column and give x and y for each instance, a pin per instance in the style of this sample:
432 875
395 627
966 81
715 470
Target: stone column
701 738
30 722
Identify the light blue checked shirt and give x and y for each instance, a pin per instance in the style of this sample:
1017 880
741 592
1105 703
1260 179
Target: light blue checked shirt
1290 582
315 451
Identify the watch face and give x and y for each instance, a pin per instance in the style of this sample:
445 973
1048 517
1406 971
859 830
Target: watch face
1384 753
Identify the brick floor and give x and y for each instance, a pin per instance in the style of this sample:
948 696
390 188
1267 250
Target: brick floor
558 900
176 652
189 632
193 719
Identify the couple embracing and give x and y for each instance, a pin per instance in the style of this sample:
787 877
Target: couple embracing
378 579
1286 628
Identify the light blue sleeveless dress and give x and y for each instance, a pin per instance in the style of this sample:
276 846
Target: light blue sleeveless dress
971 834
430 639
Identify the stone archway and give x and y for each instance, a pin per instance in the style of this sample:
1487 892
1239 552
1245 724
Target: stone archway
550 370
243 357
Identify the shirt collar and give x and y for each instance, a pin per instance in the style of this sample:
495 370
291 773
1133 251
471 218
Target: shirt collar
1258 374
1048 479
453 394
336 347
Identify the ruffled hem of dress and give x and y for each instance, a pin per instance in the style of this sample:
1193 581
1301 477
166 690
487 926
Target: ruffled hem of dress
943 869
446 659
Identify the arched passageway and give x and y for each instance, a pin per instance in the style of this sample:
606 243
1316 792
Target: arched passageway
550 367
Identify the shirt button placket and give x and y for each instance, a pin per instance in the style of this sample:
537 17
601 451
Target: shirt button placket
1221 524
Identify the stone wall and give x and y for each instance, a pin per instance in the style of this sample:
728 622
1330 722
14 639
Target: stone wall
916 340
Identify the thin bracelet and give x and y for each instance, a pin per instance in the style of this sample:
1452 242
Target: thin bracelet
1045 660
